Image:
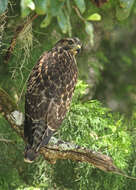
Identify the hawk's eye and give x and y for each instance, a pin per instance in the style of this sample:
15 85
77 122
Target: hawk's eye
70 42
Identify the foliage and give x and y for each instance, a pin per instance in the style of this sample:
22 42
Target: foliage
87 124
62 11
94 126
109 69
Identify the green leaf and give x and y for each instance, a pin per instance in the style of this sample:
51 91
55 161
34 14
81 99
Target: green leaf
3 5
90 31
81 5
124 10
46 21
94 17
31 5
62 21
26 7
41 6
56 6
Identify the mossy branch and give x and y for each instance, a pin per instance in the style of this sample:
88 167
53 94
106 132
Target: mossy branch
65 150
57 149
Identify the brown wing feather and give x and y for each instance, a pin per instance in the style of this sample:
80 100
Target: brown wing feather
35 108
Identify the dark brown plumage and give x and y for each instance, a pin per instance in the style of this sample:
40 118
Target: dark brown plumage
49 92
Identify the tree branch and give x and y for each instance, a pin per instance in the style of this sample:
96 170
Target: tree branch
57 149
7 106
64 150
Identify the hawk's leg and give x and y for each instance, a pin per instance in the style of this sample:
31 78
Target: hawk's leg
47 136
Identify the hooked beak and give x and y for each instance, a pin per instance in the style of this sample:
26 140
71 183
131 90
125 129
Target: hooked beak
77 49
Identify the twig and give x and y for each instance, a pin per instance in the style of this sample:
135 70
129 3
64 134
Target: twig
6 140
78 13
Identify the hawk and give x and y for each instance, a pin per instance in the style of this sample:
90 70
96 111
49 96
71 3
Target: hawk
49 92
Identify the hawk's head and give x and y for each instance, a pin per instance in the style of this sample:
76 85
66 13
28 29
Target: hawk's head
72 45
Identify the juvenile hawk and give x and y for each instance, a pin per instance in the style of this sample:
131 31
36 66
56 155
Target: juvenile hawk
49 93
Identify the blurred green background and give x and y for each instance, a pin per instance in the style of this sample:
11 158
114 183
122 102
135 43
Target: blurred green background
103 111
